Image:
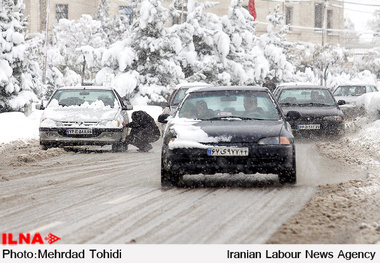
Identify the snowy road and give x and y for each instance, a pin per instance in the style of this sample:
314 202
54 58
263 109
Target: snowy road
102 197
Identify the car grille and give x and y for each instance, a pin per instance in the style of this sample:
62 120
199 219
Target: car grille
85 123
310 119
95 133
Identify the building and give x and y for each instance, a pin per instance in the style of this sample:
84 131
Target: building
42 12
319 22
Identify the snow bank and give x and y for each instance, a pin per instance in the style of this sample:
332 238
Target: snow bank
370 102
16 126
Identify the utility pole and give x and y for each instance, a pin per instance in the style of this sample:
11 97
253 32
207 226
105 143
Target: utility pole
47 4
323 23
324 17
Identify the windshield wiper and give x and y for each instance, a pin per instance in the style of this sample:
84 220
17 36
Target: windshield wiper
230 117
315 104
288 104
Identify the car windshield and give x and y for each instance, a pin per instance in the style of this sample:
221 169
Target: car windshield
80 97
179 95
228 105
306 97
349 91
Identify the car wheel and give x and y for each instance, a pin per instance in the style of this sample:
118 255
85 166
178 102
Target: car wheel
288 176
169 178
119 147
45 147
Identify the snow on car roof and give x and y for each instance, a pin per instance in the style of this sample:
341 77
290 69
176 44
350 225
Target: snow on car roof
355 84
313 86
192 84
218 88
86 87
297 84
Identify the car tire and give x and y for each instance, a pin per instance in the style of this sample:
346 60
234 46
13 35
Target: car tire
119 147
169 178
45 147
288 176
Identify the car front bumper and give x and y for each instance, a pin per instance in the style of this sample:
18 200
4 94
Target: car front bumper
324 127
262 159
99 136
352 110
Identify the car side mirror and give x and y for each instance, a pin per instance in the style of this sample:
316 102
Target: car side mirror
127 107
341 102
40 106
292 115
163 118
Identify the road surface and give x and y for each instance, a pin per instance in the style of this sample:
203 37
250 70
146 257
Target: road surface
94 196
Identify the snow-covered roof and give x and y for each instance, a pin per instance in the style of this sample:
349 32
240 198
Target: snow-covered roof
192 84
86 87
356 84
213 88
297 84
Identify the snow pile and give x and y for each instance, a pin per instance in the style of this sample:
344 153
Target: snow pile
16 126
371 103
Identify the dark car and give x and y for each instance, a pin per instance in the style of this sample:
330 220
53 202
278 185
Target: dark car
215 131
84 115
179 93
320 113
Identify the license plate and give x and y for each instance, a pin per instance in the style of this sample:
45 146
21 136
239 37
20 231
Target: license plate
78 131
227 151
309 127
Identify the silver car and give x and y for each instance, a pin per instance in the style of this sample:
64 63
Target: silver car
348 95
84 115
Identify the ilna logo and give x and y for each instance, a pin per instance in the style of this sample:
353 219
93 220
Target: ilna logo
9 239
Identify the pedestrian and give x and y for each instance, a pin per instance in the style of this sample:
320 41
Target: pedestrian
144 131
269 84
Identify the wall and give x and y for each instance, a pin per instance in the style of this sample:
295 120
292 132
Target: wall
303 16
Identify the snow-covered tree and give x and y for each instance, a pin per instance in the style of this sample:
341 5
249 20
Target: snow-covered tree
115 28
81 44
117 69
240 28
374 25
201 45
19 74
274 47
156 60
325 58
369 62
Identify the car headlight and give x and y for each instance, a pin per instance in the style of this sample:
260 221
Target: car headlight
115 123
110 123
332 118
274 140
172 136
49 123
